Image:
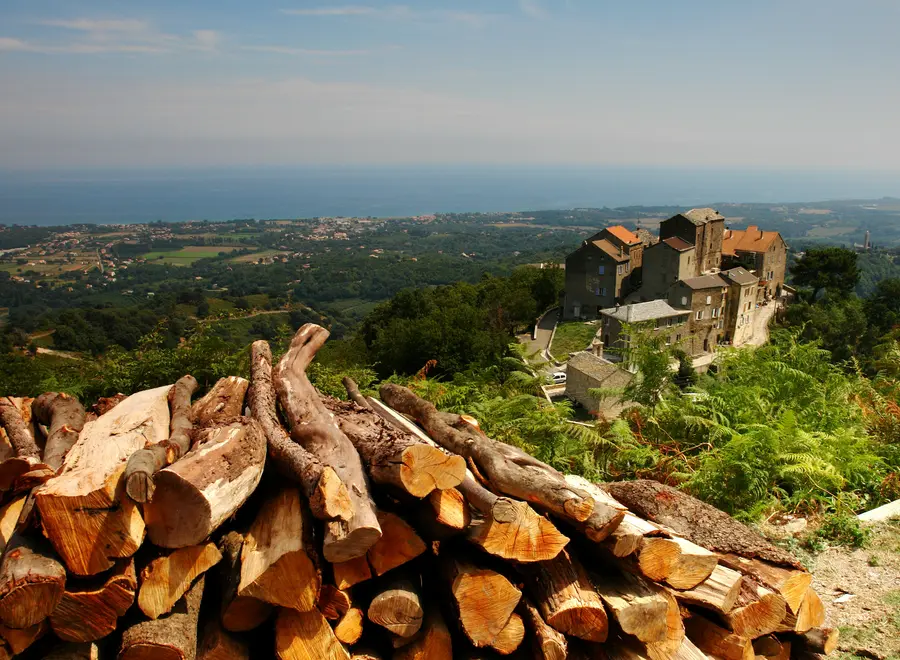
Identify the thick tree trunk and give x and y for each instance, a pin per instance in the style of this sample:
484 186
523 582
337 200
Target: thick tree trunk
677 561
223 404
64 418
167 578
547 642
306 636
83 510
18 430
278 561
817 640
757 612
398 544
218 644
90 612
350 627
145 463
203 489
510 470
718 592
314 428
32 582
638 606
23 455
327 496
237 613
566 598
717 641
172 637
790 583
398 608
606 515
484 599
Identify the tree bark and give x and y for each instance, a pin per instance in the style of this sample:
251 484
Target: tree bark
757 612
32 582
353 392
772 648
718 592
682 564
790 583
638 606
23 455
64 418
88 612
218 644
167 578
172 637
547 642
83 510
237 613
628 538
278 561
194 496
314 428
606 515
326 493
398 544
484 599
398 608
145 463
223 404
306 636
17 430
565 597
717 641
510 470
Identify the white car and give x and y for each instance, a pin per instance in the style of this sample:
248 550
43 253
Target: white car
559 377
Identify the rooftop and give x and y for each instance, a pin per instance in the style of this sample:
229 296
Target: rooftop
705 282
751 239
740 276
645 311
606 373
611 250
623 234
678 243
702 216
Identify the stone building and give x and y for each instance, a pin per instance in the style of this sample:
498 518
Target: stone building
586 371
762 252
666 262
664 318
704 297
702 228
740 305
600 272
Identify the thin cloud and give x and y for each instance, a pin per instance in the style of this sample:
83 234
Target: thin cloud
92 25
287 50
353 10
398 12
533 9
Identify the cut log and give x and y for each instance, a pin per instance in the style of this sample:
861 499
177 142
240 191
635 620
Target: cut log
88 612
333 602
772 648
198 493
9 516
64 418
639 607
278 560
817 640
83 510
327 496
145 463
398 608
565 597
353 571
717 641
757 612
628 538
811 614
20 450
223 404
365 654
306 636
790 583
18 430
606 515
350 628
509 469
218 644
433 642
510 638
677 561
718 592
32 581
172 637
675 634
166 579
398 544
547 642
450 508
314 428
74 652
393 457
238 613
18 640
484 599
696 521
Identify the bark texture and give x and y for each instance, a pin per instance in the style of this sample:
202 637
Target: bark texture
64 418
32 582
172 637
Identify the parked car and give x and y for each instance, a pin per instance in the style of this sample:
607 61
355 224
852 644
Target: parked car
559 377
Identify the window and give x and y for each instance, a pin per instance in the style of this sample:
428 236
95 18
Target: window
699 315
627 266
620 269
597 291
720 324
708 300
602 291
684 300
715 312
601 270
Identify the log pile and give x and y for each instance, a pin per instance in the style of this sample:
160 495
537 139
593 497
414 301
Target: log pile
382 528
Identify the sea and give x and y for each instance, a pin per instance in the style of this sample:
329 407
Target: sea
61 197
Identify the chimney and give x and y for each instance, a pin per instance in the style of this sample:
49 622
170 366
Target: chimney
620 250
597 348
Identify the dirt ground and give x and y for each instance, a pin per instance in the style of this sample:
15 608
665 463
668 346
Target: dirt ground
861 593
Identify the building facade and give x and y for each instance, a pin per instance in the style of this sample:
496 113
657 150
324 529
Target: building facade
586 372
762 252
740 305
599 273
702 228
657 315
704 298
666 262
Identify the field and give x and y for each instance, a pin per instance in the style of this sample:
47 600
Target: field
829 231
187 255
570 337
256 256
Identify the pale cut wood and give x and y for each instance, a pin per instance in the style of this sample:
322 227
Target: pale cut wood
638 606
327 496
88 612
566 598
306 636
237 613
350 627
172 637
18 640
9 516
398 608
628 538
718 592
433 642
790 583
314 427
218 644
398 544
64 417
510 638
677 561
509 469
32 581
18 429
166 579
223 404
606 515
675 635
772 648
277 564
333 602
817 640
811 614
484 599
717 641
450 508
353 571
194 496
757 612
547 642
83 510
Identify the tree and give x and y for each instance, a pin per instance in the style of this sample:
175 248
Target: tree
883 307
826 269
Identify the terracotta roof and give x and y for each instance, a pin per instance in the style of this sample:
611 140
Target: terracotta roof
623 234
705 282
611 250
740 276
751 239
678 243
702 216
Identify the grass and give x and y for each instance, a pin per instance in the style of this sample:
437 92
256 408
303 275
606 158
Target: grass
572 336
219 305
829 231
253 257
186 255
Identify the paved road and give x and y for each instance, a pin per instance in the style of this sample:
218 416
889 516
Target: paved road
761 325
544 331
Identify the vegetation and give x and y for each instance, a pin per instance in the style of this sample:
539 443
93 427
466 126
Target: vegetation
572 336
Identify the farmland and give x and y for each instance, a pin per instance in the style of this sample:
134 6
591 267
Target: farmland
188 254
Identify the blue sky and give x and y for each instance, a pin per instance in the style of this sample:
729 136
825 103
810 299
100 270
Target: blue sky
769 83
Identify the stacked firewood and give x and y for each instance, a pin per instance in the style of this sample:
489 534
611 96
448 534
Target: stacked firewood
266 520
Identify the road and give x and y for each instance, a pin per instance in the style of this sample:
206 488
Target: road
761 324
544 332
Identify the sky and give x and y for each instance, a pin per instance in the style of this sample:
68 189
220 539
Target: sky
690 83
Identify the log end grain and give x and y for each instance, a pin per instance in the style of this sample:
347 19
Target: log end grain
425 468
